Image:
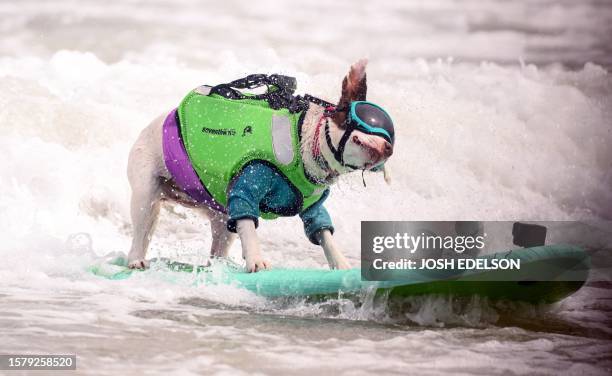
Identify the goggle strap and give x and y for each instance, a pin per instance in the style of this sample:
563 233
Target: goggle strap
337 152
342 144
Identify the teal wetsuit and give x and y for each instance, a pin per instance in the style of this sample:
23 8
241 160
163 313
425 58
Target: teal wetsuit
260 188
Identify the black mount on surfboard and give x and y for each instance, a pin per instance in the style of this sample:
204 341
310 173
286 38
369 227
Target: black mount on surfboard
528 235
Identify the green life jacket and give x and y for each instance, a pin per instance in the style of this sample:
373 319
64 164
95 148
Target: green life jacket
223 135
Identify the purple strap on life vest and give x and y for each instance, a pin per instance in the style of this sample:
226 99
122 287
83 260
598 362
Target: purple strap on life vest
178 164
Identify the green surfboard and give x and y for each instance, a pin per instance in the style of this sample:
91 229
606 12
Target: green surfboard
547 275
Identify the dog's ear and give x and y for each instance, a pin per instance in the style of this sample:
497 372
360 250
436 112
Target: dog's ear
354 88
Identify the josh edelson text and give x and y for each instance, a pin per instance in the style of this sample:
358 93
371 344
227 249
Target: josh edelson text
410 244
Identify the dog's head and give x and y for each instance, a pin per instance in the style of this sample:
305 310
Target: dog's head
359 134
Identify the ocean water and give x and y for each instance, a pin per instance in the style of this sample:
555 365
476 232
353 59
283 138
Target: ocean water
502 112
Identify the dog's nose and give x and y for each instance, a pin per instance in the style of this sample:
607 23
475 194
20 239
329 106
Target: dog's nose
387 149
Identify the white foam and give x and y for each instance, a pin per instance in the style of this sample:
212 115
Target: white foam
499 140
474 141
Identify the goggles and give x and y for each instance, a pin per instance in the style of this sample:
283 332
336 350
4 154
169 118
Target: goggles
370 118
365 117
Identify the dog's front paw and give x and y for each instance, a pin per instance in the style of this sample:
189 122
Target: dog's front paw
256 264
138 264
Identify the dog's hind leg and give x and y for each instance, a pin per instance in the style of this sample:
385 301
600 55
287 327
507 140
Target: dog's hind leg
144 210
222 239
146 174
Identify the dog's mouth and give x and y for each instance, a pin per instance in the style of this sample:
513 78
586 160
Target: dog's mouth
376 153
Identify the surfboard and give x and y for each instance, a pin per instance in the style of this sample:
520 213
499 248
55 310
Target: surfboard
547 274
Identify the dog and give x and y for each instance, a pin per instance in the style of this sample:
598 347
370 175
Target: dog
322 133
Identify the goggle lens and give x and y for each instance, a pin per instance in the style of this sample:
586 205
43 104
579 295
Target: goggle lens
370 118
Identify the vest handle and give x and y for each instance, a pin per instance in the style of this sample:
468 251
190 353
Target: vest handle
279 93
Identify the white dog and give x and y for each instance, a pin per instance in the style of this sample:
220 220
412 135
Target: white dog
332 141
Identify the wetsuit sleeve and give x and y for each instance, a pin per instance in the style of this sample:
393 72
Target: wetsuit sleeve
316 218
246 192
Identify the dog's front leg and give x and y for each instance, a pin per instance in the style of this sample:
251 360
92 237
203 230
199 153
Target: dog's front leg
334 256
250 246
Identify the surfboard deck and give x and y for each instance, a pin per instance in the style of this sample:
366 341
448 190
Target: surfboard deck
547 275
